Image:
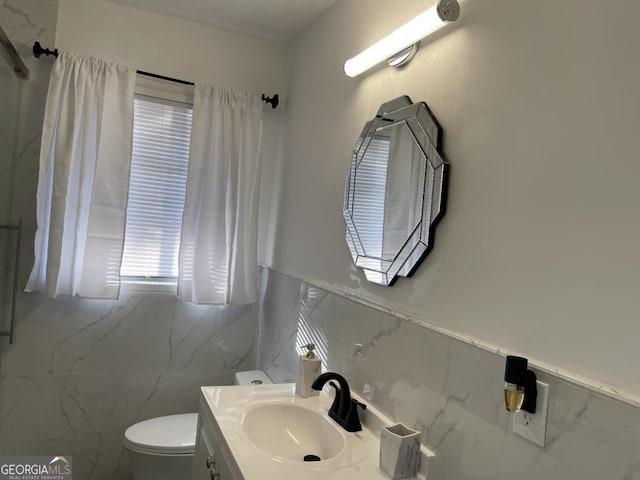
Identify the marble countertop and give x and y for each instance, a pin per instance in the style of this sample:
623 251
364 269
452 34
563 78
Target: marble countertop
358 460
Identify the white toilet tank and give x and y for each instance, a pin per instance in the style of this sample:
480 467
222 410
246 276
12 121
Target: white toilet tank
252 377
162 448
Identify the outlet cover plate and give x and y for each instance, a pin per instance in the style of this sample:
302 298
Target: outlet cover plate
533 426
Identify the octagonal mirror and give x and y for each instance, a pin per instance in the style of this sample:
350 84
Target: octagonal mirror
395 191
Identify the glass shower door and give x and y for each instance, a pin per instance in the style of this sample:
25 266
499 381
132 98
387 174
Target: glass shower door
12 73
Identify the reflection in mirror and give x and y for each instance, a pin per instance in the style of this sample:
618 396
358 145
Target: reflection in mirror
395 190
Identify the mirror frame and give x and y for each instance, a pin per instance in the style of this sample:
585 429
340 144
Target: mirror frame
427 135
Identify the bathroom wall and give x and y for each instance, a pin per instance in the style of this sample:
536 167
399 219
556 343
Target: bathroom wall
171 46
82 370
537 253
448 389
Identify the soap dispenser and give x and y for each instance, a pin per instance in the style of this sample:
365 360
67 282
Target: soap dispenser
308 371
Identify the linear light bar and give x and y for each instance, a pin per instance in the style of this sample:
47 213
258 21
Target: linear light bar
445 12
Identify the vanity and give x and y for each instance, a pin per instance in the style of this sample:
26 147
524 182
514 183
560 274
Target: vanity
259 432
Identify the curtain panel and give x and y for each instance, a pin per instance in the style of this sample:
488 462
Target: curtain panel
218 246
83 178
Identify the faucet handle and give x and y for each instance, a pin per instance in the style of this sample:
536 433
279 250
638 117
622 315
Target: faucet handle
361 405
352 420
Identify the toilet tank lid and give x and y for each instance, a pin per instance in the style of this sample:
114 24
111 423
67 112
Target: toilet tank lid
173 434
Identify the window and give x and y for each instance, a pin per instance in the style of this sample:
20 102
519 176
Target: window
161 138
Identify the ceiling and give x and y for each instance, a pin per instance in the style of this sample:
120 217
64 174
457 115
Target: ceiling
279 20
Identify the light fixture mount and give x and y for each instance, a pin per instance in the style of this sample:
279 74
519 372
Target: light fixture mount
448 10
403 56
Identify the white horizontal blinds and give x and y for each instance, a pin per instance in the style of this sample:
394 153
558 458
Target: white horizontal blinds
161 137
370 191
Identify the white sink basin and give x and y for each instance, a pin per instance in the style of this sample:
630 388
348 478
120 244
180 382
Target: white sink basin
292 432
268 430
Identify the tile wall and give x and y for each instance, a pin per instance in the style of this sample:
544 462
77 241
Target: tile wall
450 390
82 371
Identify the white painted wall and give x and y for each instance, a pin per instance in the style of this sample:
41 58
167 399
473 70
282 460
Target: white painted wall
171 46
538 252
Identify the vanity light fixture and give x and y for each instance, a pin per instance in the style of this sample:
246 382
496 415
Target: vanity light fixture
400 46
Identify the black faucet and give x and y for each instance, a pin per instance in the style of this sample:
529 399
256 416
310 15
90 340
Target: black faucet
344 410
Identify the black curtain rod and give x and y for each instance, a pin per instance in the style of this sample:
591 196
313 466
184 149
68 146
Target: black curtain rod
38 50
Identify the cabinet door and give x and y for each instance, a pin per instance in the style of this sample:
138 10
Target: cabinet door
222 464
203 457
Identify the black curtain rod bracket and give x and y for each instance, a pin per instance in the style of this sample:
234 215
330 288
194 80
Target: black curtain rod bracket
38 50
273 101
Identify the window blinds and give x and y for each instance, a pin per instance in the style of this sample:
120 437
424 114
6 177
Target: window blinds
161 138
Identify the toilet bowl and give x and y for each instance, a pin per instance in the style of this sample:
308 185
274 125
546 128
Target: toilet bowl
162 448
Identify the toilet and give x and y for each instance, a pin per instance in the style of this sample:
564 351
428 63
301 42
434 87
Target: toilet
162 448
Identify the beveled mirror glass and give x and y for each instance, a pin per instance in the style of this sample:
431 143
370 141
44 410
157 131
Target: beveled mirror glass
395 190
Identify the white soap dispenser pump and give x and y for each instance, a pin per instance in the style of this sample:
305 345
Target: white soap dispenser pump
308 371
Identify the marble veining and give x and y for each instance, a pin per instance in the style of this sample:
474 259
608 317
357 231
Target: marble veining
92 368
26 21
578 380
451 390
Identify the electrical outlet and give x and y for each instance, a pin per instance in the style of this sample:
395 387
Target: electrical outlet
533 426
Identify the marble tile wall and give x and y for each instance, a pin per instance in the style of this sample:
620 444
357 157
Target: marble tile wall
450 390
81 371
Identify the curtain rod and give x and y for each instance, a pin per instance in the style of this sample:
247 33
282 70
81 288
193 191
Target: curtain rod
38 50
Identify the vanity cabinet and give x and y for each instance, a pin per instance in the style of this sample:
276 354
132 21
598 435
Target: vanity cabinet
212 459
261 432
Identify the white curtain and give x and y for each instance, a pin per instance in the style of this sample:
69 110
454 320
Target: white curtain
84 178
218 249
